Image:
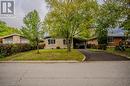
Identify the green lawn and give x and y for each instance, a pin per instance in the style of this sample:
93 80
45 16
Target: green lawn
45 55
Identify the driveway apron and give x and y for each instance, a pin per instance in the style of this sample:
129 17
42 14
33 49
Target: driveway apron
101 56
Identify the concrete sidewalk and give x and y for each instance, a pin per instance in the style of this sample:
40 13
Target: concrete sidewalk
99 73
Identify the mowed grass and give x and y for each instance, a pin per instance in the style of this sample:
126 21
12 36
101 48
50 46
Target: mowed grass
94 50
45 55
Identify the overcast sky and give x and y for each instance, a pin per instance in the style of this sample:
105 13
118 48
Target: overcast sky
22 7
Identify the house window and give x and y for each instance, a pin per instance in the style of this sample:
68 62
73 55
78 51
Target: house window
8 40
110 39
64 42
51 41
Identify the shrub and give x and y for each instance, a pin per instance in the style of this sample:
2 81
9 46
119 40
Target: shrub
9 49
41 46
58 47
102 46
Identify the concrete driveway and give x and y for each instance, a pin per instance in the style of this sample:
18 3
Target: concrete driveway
65 74
101 56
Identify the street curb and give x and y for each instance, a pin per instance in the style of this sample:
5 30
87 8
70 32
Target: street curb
83 60
39 61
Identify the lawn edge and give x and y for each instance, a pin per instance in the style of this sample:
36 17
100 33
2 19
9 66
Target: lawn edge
118 54
96 50
71 61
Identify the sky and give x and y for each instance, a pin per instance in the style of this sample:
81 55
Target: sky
22 7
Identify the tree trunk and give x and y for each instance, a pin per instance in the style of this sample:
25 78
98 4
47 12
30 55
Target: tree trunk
37 45
69 42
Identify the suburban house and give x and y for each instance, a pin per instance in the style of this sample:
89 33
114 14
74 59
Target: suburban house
112 41
114 37
53 43
115 40
50 42
13 38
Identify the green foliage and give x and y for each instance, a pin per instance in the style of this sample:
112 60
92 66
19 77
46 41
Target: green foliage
126 23
9 49
102 36
70 18
33 28
109 16
6 30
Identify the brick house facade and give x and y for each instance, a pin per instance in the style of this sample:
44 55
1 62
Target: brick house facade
112 41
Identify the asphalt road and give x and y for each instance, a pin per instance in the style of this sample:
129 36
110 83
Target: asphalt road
116 73
101 56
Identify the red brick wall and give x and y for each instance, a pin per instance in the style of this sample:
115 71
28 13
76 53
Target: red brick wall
115 42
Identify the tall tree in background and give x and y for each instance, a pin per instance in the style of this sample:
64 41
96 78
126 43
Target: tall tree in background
70 18
110 14
7 30
126 23
33 28
2 26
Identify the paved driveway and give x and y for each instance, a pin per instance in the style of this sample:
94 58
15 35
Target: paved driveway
65 74
101 56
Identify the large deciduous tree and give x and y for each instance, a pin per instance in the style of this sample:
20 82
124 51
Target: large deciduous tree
70 18
109 16
32 29
126 23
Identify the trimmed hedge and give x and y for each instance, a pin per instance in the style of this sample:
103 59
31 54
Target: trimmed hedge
9 49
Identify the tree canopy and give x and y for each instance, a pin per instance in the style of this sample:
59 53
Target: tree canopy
6 30
70 18
110 15
33 28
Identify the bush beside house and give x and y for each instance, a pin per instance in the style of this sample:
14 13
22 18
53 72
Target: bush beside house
9 49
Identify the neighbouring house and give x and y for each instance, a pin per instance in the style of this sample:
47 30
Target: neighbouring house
115 40
114 37
112 41
13 39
